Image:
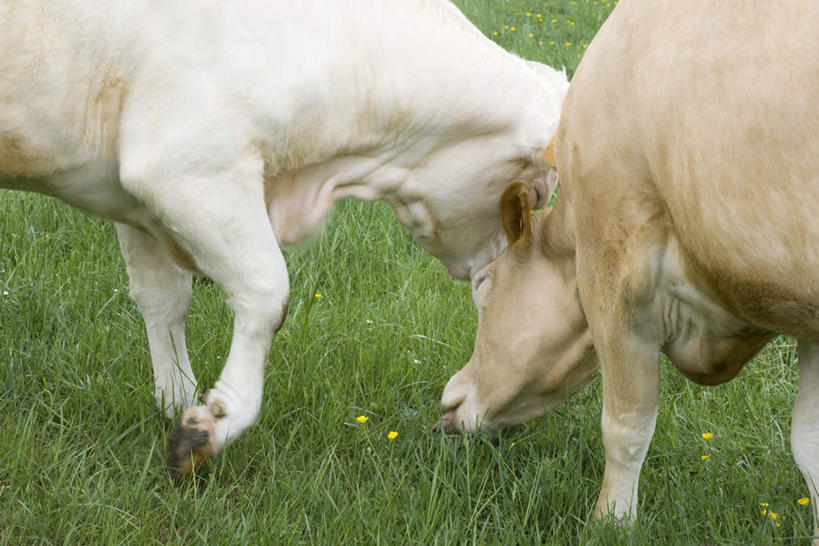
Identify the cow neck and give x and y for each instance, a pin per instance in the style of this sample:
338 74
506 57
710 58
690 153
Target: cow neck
557 231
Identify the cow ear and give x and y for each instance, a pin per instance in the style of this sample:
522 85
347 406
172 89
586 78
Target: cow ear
517 218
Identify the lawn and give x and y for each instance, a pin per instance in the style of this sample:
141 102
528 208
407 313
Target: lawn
82 445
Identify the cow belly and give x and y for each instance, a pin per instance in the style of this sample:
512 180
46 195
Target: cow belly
92 186
65 148
21 160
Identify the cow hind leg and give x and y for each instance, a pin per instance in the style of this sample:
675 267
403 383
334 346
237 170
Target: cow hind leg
221 222
162 291
805 425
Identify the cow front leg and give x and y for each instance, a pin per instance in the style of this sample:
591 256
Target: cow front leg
259 304
255 279
162 291
631 380
805 425
219 221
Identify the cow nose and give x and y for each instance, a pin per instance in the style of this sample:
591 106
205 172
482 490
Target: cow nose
448 423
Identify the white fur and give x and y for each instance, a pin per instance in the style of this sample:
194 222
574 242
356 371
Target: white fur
214 132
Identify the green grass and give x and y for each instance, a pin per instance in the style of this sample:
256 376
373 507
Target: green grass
81 445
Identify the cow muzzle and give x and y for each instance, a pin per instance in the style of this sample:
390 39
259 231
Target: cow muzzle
460 414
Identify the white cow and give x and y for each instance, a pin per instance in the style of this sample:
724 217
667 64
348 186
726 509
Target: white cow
688 150
214 132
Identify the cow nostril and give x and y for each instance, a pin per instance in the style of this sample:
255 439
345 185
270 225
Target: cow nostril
448 423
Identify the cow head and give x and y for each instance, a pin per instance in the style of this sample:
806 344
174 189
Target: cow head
533 347
464 229
449 200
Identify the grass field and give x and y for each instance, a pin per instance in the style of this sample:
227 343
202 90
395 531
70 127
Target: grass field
82 445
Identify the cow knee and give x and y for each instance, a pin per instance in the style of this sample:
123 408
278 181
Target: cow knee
264 299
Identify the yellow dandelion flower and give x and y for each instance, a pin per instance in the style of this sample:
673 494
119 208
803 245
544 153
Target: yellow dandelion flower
803 501
707 435
764 512
318 295
392 435
704 457
554 20
551 42
531 35
362 419
568 44
777 525
495 33
512 29
584 46
506 27
528 14
764 504
773 516
539 16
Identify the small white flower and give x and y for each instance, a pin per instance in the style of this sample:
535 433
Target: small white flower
5 292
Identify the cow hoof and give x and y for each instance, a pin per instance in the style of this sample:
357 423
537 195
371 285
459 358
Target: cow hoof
190 442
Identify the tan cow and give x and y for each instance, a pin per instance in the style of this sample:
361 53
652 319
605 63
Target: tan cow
688 224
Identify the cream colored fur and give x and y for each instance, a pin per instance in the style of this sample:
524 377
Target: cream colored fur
688 151
214 132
